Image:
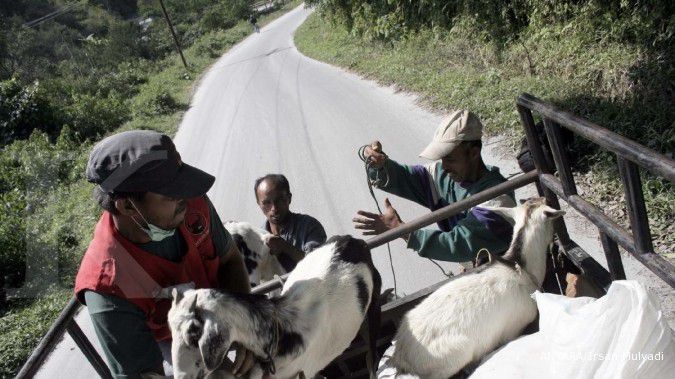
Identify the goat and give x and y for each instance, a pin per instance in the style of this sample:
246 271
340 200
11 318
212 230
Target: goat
319 312
473 314
252 243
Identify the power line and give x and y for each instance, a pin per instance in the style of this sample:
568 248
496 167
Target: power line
52 15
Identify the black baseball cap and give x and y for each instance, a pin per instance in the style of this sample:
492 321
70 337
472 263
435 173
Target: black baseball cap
144 161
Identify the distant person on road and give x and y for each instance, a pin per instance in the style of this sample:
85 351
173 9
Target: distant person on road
295 234
254 22
457 172
158 231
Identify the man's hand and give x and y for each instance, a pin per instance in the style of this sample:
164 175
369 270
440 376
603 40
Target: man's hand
280 246
375 153
276 244
243 361
374 224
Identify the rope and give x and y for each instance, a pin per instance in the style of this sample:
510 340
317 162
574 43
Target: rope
381 180
377 182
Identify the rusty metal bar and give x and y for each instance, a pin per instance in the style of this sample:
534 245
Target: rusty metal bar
426 220
559 157
654 262
622 146
635 202
613 257
88 350
452 209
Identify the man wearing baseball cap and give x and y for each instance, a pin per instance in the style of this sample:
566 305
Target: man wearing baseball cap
158 231
457 172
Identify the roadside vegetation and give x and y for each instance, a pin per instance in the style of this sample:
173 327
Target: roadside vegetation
610 62
92 68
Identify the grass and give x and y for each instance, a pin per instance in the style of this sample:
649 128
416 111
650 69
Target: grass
66 217
619 86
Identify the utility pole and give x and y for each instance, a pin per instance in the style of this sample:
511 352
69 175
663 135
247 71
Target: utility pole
173 33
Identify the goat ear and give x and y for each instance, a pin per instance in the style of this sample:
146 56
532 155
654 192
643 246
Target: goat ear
213 344
552 214
176 295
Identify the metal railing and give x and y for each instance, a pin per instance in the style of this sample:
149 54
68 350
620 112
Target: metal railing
629 154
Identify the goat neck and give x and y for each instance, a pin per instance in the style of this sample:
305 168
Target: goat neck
255 321
531 237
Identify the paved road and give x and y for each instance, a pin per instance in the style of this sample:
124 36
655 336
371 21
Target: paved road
263 107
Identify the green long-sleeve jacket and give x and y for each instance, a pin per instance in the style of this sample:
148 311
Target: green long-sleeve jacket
461 236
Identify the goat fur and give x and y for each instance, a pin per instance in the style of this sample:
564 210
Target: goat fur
319 312
478 311
252 244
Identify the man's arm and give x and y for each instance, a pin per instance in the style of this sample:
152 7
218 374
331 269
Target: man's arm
127 342
463 241
232 274
414 183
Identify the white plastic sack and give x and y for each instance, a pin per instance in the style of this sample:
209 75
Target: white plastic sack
621 335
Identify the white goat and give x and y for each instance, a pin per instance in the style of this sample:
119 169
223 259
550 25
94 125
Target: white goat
473 314
252 243
321 308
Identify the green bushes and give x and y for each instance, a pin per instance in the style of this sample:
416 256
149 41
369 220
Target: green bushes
631 21
612 69
32 172
23 326
24 109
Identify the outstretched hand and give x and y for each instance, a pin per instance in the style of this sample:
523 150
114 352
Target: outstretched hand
373 223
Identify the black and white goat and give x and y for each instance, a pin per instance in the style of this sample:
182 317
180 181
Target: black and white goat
473 314
252 243
319 312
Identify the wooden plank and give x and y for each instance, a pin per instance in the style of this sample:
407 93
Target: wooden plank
649 159
560 157
613 257
533 141
542 168
635 202
659 266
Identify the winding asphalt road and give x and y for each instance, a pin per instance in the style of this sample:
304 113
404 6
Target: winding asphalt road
265 108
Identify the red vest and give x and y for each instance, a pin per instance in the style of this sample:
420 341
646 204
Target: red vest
116 266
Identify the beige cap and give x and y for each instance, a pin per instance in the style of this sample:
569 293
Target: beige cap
459 126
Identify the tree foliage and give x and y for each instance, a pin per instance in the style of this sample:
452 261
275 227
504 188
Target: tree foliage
649 22
70 73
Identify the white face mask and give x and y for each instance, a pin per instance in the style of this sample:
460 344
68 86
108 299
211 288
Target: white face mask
155 233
